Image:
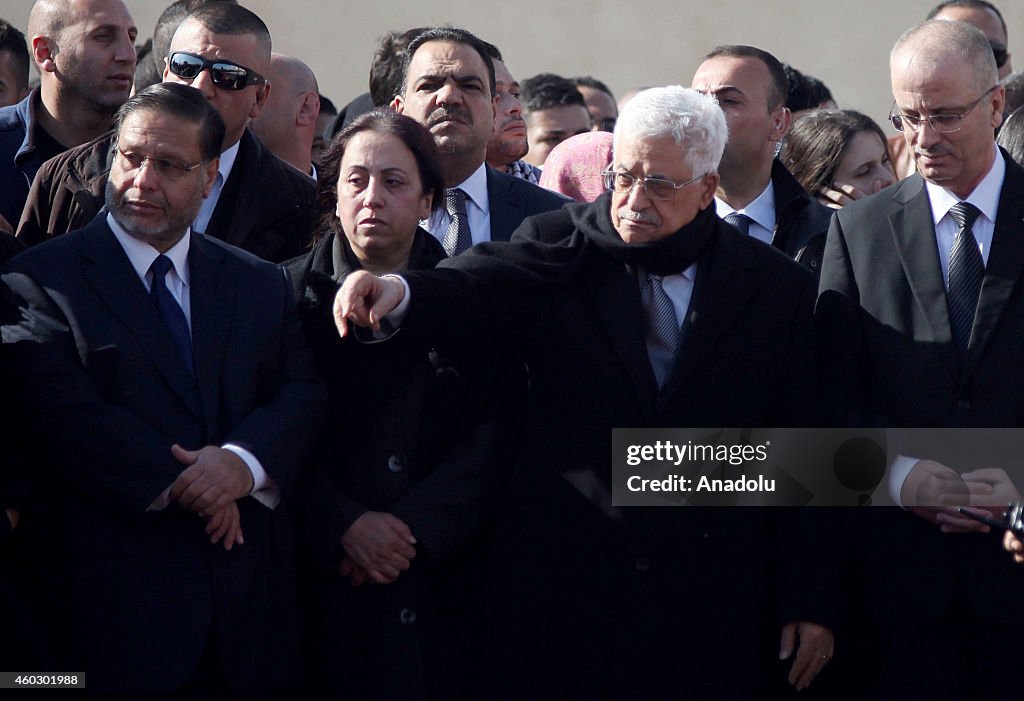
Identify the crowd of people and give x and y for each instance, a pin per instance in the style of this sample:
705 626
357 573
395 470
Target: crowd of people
319 402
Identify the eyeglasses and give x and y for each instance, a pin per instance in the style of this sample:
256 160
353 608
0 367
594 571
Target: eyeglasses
655 188
1000 54
942 123
163 166
224 74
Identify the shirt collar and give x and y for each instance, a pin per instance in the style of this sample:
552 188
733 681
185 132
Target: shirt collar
475 187
141 255
985 196
761 210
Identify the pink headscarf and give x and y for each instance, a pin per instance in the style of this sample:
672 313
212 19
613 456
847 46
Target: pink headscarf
574 166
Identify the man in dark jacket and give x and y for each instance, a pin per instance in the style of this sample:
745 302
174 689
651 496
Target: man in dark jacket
758 195
84 51
259 203
650 312
449 87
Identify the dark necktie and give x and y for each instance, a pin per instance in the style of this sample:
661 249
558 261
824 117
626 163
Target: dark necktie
740 221
662 328
170 310
966 269
457 239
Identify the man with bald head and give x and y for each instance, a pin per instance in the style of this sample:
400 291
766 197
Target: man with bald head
987 18
922 312
288 122
258 202
84 51
989 21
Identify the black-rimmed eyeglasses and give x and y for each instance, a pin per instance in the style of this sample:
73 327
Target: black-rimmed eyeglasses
224 74
942 123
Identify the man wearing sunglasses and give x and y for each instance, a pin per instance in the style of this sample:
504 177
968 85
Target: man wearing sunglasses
989 21
921 311
258 202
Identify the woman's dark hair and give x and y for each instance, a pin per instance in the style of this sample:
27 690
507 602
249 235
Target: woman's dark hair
816 142
1011 135
410 132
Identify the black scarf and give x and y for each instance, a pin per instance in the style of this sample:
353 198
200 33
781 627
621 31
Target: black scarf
668 256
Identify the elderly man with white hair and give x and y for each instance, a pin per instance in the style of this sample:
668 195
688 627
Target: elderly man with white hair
639 310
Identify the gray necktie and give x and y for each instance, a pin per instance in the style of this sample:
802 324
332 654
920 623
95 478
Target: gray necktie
457 239
966 269
662 328
740 221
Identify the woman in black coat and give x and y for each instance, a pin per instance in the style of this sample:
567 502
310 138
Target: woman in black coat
391 515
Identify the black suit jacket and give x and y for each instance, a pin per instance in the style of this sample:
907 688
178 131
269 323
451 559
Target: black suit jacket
801 222
266 207
513 199
135 593
891 363
594 601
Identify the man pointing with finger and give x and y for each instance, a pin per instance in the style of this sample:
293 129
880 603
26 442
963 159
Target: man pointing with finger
648 311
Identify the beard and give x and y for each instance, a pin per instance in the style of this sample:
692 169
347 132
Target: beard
158 229
505 150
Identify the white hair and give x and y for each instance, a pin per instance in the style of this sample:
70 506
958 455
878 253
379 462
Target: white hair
693 120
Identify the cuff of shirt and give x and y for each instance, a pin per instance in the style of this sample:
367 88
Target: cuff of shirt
263 488
397 315
898 473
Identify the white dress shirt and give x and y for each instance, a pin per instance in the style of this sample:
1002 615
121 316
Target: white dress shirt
986 198
478 209
679 289
761 212
141 256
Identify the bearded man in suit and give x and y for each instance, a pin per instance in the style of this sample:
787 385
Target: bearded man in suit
170 398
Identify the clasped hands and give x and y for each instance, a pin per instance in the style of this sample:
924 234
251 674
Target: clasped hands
378 547
211 483
936 493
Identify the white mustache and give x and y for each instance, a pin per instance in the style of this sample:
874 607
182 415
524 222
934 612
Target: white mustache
644 217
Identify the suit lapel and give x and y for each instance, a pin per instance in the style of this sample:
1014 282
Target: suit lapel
725 284
229 222
213 302
1005 264
107 269
616 297
914 235
506 209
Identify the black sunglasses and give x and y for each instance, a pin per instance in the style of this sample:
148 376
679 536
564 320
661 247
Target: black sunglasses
224 74
1000 54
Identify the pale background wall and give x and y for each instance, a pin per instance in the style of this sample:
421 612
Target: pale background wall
846 44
